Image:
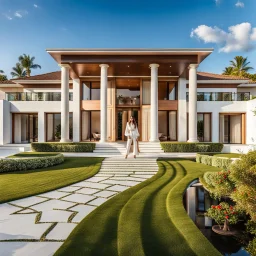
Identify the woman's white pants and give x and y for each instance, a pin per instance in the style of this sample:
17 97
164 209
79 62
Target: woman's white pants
128 146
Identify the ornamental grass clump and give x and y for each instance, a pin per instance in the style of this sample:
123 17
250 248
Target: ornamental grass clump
224 214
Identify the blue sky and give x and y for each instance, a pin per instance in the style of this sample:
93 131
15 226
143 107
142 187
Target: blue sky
31 26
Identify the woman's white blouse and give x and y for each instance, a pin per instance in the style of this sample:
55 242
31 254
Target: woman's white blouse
131 131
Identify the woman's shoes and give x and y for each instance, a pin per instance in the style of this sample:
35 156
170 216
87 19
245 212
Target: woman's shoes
125 156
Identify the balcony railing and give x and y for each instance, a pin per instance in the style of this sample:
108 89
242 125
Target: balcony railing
35 96
222 96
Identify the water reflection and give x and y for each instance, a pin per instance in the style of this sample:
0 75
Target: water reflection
196 202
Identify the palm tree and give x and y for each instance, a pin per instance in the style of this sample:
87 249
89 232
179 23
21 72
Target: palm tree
27 63
18 71
240 65
3 77
228 71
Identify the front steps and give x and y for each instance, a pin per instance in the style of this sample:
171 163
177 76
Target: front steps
119 148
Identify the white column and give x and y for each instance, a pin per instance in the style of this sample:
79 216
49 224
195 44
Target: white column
154 102
64 103
103 102
5 122
182 110
191 202
76 110
41 126
215 126
192 106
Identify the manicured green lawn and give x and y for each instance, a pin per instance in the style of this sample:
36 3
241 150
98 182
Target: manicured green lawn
16 185
32 154
147 219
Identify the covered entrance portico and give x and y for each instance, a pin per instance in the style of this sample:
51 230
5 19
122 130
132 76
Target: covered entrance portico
149 67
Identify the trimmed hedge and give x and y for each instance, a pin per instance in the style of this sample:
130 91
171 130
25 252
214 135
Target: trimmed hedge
23 164
220 162
191 147
63 147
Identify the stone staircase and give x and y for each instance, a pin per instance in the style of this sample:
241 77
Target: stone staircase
119 148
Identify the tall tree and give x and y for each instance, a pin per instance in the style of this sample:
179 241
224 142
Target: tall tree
228 71
27 63
18 71
240 65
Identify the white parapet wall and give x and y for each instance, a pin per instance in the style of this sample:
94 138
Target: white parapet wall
5 122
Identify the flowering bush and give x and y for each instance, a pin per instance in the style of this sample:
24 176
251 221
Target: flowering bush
219 183
224 214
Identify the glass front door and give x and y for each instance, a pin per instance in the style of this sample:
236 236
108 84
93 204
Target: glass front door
123 116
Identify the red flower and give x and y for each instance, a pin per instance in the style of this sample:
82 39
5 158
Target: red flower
226 217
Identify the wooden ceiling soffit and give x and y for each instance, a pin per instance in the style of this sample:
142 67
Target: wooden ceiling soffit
128 59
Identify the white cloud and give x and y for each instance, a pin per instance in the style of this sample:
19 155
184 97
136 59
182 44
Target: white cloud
217 2
35 5
241 37
20 14
8 17
239 4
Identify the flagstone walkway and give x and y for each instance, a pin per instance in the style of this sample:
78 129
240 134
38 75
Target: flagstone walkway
38 225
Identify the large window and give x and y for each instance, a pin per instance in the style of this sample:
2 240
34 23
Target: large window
231 128
25 128
53 126
90 125
167 125
204 124
91 91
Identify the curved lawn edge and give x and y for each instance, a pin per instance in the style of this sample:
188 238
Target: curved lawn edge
22 184
194 237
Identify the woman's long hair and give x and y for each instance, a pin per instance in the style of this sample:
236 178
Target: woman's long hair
134 121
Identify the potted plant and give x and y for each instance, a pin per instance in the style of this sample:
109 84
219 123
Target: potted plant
120 99
58 132
224 215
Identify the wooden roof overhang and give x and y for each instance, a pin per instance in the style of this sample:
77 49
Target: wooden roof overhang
85 63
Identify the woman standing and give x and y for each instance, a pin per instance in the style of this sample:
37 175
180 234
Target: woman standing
132 133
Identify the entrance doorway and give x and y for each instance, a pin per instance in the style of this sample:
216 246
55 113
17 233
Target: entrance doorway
123 115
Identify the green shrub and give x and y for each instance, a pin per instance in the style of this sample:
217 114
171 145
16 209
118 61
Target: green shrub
221 162
205 159
23 164
217 161
63 147
191 147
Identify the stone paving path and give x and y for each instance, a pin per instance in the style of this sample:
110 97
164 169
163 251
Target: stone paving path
38 225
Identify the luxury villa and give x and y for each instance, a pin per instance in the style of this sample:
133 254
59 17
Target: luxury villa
96 91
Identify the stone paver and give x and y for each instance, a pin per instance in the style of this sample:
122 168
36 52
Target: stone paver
61 231
28 248
55 216
98 201
21 226
83 210
117 188
105 194
54 194
52 216
79 198
26 202
88 191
